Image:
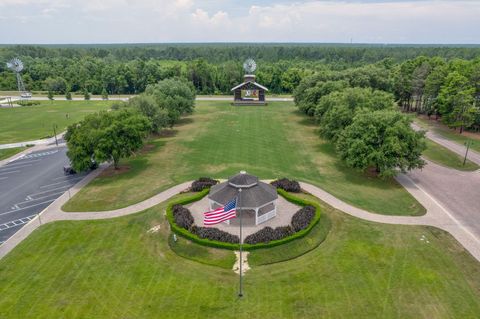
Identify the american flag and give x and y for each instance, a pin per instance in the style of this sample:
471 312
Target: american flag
221 214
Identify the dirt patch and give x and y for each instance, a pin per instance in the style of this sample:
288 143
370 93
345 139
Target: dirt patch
147 148
245 265
109 172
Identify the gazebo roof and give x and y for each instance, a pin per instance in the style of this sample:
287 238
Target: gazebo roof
254 193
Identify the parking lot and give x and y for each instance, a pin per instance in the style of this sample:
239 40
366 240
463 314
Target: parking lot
29 184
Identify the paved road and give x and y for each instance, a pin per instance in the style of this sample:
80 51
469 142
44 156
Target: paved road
458 192
30 184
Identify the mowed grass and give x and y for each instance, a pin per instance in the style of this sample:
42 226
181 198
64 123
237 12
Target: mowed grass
35 122
8 152
116 269
219 140
443 156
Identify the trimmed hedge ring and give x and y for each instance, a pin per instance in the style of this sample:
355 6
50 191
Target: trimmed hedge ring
218 244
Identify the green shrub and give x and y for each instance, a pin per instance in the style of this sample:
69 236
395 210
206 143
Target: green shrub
203 183
268 234
287 185
302 218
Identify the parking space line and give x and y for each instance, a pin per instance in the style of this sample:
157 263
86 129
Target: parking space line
50 190
16 210
10 168
45 186
16 222
66 177
9 172
3 178
35 199
14 163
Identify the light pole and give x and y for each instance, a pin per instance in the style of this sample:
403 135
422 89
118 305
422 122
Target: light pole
240 292
55 133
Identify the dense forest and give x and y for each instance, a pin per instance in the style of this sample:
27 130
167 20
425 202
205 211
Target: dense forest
215 68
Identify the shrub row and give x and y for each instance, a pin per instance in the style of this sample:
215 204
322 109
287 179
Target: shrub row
203 183
182 217
215 234
287 185
302 218
218 244
268 234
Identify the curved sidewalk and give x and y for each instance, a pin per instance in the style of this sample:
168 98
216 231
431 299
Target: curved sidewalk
436 215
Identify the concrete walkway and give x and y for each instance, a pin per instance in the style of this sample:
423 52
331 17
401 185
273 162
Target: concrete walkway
436 215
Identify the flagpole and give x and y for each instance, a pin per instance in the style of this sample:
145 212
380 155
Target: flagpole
240 293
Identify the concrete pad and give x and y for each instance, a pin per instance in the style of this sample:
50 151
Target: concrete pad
285 211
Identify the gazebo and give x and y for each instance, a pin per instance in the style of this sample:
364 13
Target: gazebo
257 199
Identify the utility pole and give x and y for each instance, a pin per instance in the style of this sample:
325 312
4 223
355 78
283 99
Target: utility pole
467 144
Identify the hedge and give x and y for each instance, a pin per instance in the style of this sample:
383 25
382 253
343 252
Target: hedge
217 244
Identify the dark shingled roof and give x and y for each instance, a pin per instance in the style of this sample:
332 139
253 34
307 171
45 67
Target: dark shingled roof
251 197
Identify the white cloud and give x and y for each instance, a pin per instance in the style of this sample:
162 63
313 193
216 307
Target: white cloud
430 21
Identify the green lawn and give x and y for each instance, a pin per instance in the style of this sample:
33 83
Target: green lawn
441 129
115 269
443 156
220 140
6 153
35 122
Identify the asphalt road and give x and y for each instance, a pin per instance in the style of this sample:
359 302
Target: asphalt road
456 191
30 184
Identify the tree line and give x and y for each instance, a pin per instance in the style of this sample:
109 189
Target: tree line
120 132
212 68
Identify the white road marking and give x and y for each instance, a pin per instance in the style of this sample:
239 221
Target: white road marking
10 168
16 210
1 173
50 190
16 222
3 178
35 199
35 155
66 177
12 164
45 186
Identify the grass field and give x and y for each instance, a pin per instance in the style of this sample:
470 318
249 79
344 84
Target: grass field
441 129
443 156
35 122
220 140
6 153
115 269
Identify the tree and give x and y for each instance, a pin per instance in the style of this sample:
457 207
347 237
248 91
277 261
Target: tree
176 96
146 105
381 139
456 101
104 94
50 95
335 111
86 94
68 95
105 136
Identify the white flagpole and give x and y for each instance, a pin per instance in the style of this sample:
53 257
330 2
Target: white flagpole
240 293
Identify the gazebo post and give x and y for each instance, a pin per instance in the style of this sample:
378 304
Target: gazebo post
256 216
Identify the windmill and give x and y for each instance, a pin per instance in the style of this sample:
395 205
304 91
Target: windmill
16 65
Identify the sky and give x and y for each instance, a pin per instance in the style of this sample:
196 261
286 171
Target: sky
159 21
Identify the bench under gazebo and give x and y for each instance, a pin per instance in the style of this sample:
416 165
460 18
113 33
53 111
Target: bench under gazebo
257 201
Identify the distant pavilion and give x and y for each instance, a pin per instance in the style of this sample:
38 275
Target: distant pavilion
249 92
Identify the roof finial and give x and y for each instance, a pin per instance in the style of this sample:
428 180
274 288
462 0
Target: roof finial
243 172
